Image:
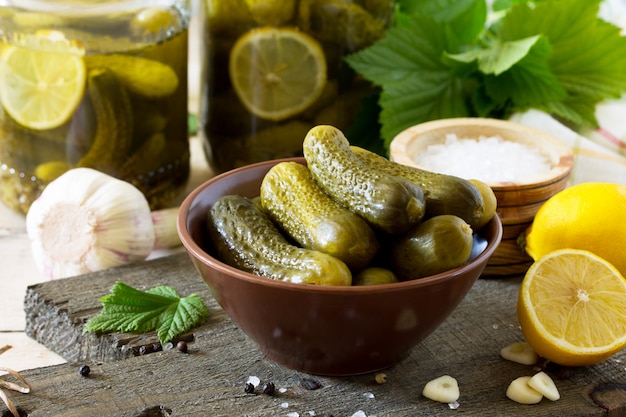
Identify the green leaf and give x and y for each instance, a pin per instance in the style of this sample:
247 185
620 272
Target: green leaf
420 99
416 84
528 83
129 310
588 54
499 56
402 53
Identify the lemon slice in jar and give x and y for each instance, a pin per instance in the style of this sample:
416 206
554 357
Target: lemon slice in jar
277 72
41 87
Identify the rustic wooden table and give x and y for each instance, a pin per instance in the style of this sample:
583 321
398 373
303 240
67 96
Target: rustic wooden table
209 379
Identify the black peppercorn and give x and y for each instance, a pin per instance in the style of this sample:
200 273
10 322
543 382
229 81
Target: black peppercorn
182 346
249 388
145 349
310 384
156 347
269 388
84 370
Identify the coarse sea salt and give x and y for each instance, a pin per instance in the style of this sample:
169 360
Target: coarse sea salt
488 159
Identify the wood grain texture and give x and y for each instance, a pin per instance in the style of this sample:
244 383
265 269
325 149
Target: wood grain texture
209 380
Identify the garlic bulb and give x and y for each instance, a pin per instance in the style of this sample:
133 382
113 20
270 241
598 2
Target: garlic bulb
86 221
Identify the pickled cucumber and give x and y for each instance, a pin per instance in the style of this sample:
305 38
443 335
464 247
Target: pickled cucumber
146 77
444 194
388 203
374 276
490 200
436 245
340 22
114 122
295 202
244 237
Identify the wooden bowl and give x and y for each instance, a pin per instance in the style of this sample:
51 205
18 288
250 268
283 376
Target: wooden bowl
518 201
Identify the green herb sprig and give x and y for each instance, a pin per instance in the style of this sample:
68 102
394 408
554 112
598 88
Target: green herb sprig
129 310
453 58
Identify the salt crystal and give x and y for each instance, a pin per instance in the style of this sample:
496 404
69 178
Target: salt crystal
282 390
359 413
284 405
368 395
488 159
293 414
311 413
454 405
254 380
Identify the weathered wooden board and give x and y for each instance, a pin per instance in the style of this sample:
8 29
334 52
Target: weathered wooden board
209 379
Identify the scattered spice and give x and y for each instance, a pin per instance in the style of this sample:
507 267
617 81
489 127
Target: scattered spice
269 388
84 370
143 350
310 384
249 388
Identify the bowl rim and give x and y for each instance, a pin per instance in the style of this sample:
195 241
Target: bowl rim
196 250
398 147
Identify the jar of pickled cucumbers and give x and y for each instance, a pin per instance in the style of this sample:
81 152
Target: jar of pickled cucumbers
93 83
272 69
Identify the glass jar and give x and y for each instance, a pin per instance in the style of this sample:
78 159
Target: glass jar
272 69
92 83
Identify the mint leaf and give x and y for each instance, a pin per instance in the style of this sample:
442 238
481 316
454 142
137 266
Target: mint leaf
129 310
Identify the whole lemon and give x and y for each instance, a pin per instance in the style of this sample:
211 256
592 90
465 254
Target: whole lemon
588 216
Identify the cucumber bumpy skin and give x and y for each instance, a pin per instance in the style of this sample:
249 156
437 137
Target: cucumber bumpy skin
388 203
244 237
444 194
297 204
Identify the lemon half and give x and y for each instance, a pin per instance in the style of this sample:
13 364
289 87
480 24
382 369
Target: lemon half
572 308
277 72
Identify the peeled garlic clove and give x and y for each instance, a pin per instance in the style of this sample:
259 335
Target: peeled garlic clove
520 392
87 221
542 383
520 352
444 389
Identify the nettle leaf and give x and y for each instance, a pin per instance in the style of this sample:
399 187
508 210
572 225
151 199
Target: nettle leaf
160 308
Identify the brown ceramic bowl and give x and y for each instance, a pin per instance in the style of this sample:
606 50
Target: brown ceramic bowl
322 329
519 201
